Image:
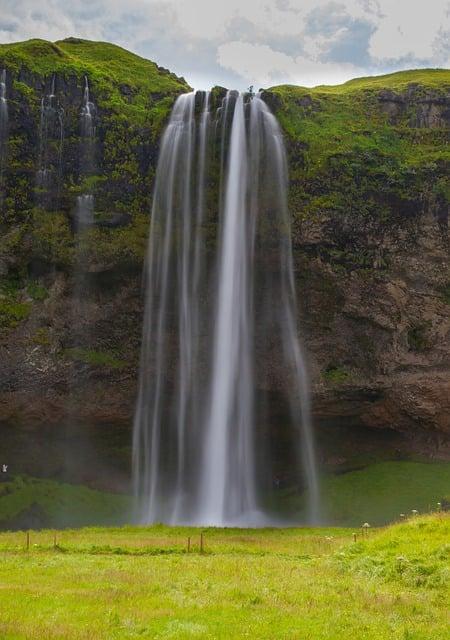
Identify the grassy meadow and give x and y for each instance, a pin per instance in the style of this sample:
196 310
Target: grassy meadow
376 494
142 582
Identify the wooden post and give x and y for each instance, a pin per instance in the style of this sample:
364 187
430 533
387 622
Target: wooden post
28 540
354 537
189 545
54 540
201 542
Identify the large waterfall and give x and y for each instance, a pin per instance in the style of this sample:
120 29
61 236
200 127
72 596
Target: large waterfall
222 368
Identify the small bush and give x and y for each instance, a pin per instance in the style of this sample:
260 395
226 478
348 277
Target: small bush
37 291
12 313
335 374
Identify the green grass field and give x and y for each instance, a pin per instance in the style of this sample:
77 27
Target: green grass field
376 494
141 582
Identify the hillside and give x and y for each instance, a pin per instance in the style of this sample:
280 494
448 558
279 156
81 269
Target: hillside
369 195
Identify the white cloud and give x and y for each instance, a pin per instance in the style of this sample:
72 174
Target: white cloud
409 29
237 42
263 66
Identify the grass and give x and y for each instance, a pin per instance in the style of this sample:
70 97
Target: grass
60 504
380 492
430 78
109 68
335 374
95 358
288 584
376 494
351 155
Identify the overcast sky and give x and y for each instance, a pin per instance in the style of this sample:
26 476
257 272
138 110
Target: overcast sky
237 43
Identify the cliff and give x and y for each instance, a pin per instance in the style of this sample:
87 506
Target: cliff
369 196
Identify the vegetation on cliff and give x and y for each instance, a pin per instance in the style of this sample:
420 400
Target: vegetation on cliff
372 152
132 98
123 82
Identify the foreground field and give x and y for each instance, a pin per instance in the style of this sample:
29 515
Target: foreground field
260 584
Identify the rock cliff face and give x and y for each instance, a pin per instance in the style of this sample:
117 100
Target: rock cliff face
369 196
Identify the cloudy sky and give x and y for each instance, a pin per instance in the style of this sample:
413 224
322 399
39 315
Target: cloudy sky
236 43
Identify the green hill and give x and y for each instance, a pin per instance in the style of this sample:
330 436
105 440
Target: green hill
123 80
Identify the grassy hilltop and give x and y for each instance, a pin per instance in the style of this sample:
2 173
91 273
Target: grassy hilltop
372 147
110 69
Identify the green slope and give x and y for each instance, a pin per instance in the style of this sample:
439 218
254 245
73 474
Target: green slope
122 81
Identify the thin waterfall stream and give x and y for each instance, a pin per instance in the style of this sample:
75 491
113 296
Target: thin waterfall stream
51 142
220 324
84 213
3 127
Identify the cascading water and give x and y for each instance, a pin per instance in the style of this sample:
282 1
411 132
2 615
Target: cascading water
220 322
85 203
51 142
3 126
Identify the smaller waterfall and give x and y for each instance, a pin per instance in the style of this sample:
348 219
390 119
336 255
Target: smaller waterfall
3 125
84 214
85 203
87 113
51 142
83 220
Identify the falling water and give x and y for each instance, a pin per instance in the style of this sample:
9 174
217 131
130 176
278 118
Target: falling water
3 125
51 135
218 313
85 203
87 115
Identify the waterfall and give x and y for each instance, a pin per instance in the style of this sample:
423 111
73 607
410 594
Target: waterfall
220 317
228 467
85 203
3 125
87 117
51 135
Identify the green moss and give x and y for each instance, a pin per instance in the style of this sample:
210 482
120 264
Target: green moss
37 291
95 358
12 313
25 90
120 247
335 374
42 337
52 240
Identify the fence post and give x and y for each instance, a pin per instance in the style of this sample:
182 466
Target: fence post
189 545
201 542
28 540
